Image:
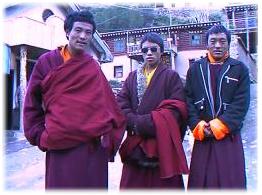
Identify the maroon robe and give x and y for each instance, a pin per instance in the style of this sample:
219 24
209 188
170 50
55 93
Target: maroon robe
221 171
165 85
79 123
217 164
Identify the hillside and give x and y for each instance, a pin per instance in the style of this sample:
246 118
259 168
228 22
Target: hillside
132 16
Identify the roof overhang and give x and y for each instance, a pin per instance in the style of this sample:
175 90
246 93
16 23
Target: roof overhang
100 48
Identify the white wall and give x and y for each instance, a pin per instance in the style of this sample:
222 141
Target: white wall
181 64
34 11
182 60
108 68
244 57
26 26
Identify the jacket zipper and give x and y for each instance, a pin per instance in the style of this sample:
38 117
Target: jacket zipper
199 101
230 78
209 100
225 105
219 91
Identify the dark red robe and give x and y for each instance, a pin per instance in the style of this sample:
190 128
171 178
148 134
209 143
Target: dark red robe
166 88
218 164
70 112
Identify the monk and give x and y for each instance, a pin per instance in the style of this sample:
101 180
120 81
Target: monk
218 96
153 102
70 111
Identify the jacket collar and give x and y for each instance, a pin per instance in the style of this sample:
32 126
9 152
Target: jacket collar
228 61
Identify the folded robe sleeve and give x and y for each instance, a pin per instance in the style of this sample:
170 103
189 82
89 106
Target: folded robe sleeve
218 128
198 131
33 113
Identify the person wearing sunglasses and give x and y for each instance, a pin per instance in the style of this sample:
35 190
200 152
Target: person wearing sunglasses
153 101
218 96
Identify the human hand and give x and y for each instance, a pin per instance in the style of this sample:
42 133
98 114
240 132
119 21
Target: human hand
207 131
198 131
218 128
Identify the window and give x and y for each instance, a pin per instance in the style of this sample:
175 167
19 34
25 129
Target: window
195 39
230 15
252 22
46 14
119 45
118 71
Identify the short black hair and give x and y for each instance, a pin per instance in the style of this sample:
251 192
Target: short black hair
219 28
79 16
153 38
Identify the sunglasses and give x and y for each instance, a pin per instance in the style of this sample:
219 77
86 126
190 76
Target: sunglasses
152 49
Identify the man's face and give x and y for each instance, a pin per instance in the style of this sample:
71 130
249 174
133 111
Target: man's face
151 53
217 45
79 37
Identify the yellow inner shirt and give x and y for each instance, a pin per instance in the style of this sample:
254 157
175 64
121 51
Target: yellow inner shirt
149 75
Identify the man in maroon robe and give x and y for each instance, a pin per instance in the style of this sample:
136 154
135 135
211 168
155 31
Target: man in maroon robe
153 101
71 113
217 89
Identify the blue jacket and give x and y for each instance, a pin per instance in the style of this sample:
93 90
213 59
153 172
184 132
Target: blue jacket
232 94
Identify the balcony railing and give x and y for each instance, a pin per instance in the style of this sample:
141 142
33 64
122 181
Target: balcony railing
133 49
242 23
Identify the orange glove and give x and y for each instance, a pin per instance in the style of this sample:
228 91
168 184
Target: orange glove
198 131
218 128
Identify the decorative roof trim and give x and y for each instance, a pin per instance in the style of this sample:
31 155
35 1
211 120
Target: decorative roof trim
241 7
161 28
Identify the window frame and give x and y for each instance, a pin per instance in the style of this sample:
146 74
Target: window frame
119 46
116 72
193 41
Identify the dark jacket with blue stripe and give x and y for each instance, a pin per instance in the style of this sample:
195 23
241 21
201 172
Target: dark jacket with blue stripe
232 94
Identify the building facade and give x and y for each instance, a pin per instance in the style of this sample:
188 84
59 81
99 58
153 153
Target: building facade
242 21
183 45
29 31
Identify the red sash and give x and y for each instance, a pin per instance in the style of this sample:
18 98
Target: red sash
171 154
168 143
